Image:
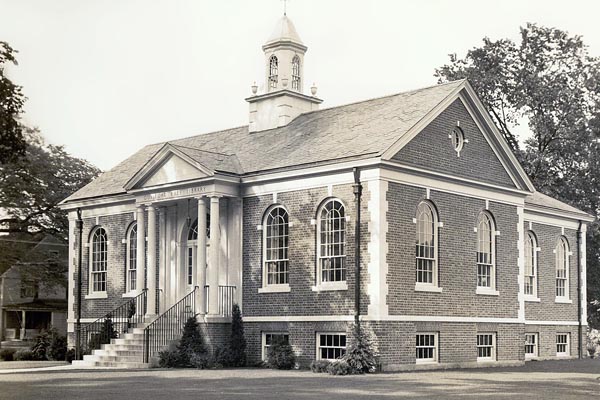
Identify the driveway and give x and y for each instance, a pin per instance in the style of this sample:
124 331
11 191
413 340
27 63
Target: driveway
543 380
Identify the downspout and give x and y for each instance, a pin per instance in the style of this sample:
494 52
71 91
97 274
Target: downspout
357 188
579 322
79 227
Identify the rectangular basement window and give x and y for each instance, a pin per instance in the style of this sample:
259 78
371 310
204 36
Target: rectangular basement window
269 337
563 345
531 345
426 348
486 347
331 346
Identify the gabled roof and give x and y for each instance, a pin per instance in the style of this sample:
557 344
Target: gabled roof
542 202
354 131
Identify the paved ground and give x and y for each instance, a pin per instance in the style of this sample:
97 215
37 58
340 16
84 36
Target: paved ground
4 365
541 380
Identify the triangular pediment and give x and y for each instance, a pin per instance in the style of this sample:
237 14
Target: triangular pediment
168 166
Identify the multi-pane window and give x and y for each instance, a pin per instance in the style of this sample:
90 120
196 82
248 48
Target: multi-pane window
531 345
273 72
426 243
426 347
332 242
561 253
486 346
530 265
99 260
331 346
190 266
132 258
268 338
562 344
190 252
276 237
485 251
296 73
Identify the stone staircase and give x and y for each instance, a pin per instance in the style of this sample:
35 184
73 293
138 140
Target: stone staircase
125 352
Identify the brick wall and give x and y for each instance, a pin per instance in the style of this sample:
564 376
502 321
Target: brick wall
432 149
456 258
302 300
547 339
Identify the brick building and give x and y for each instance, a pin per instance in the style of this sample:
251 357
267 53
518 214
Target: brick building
462 261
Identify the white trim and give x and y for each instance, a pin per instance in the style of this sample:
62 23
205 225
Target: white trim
404 318
132 293
582 249
427 287
436 349
485 291
434 275
557 323
563 300
83 320
329 286
494 347
300 318
531 299
284 288
265 273
377 288
556 220
521 261
317 342
566 353
536 353
96 295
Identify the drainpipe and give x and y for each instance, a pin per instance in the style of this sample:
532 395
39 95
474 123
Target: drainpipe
357 186
79 227
579 322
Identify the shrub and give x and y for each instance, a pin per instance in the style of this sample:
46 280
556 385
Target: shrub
237 344
70 355
7 354
200 360
40 346
191 343
281 355
319 366
169 358
24 355
222 357
360 355
593 342
339 367
106 333
57 350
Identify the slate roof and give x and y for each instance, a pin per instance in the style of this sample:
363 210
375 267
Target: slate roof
540 200
353 131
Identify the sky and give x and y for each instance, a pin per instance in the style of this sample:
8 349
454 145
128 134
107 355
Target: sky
106 77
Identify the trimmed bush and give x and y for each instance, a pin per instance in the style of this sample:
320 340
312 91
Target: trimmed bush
360 355
281 355
70 355
237 345
223 357
169 358
319 366
7 354
24 355
191 343
339 367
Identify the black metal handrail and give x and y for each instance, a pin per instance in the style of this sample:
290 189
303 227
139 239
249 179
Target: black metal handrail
226 299
112 325
168 326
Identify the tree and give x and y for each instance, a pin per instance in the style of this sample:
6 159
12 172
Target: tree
237 342
12 144
550 81
191 344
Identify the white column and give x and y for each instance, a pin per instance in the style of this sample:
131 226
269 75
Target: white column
140 250
201 258
151 279
213 262
162 286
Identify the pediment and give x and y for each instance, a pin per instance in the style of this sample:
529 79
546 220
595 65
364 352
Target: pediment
168 166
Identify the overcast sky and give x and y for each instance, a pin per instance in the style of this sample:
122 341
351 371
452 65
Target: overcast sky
106 77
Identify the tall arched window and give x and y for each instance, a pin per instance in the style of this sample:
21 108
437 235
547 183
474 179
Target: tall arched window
485 251
276 245
131 258
190 253
296 73
98 260
273 72
561 254
426 244
331 244
530 265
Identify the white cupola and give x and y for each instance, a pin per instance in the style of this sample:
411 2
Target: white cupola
283 98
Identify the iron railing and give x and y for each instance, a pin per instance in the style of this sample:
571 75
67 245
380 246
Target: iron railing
168 326
226 300
112 325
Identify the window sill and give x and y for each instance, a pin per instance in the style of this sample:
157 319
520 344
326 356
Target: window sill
97 295
485 360
330 286
562 355
275 289
421 287
532 299
563 300
133 293
487 291
425 362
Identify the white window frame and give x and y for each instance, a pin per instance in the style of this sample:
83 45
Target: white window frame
265 347
333 284
491 289
275 287
296 74
434 259
131 255
318 344
435 347
273 78
562 249
91 260
493 346
535 344
532 258
567 344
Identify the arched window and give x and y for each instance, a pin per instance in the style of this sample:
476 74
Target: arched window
98 260
273 72
296 73
331 246
530 265
131 258
426 244
190 253
276 245
561 254
485 251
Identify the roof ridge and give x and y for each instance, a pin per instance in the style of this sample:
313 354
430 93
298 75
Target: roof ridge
202 150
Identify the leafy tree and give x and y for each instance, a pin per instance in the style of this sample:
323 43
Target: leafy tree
238 342
550 81
12 144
